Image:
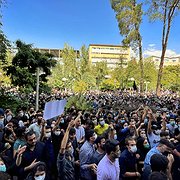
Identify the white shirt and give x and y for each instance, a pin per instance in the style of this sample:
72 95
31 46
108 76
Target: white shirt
108 170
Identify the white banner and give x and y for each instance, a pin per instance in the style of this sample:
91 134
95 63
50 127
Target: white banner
54 108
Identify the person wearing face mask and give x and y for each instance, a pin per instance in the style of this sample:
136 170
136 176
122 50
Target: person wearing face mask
1 118
65 161
100 151
37 126
171 126
49 151
108 167
38 172
101 128
142 149
154 130
163 147
127 160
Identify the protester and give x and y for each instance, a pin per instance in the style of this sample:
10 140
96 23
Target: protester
108 167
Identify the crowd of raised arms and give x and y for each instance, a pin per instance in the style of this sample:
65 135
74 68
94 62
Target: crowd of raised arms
123 136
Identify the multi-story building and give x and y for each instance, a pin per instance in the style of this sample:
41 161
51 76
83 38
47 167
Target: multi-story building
57 53
167 61
112 54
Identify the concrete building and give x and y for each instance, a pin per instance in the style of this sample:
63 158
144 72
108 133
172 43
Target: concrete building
167 61
112 54
57 53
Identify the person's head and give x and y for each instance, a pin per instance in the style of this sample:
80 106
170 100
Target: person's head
20 132
142 143
53 123
31 138
156 128
159 163
112 148
172 121
2 165
57 131
69 148
89 124
125 125
47 132
177 134
165 146
39 171
90 135
131 144
157 176
72 133
100 142
78 122
101 122
164 135
142 133
39 119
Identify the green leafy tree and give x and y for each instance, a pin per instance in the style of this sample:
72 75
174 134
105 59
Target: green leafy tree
70 66
129 17
25 63
4 42
100 70
150 73
164 10
171 78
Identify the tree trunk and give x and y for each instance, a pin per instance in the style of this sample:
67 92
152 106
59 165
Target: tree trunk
158 87
141 65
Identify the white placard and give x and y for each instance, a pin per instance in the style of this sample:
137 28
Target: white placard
54 108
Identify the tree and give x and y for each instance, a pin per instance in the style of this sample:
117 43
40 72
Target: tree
25 63
171 78
4 43
164 10
129 17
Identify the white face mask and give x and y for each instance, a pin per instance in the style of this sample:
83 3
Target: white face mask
57 133
9 117
102 123
40 177
157 132
133 149
115 136
48 134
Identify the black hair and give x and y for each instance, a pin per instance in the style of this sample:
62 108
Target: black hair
129 139
88 134
99 138
29 133
110 145
72 131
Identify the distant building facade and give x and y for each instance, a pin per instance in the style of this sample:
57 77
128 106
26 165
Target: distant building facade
167 61
112 54
57 53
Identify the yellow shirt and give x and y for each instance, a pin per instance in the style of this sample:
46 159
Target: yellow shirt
99 130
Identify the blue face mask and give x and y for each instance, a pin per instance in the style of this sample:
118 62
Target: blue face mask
3 168
62 121
123 121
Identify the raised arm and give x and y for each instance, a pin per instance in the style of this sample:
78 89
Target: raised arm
65 138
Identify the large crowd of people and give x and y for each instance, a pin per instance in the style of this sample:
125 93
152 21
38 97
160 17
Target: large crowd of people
124 135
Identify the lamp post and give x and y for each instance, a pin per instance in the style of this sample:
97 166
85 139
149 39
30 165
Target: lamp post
38 73
37 88
64 80
146 82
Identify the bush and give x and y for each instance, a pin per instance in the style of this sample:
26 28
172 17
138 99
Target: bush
79 102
